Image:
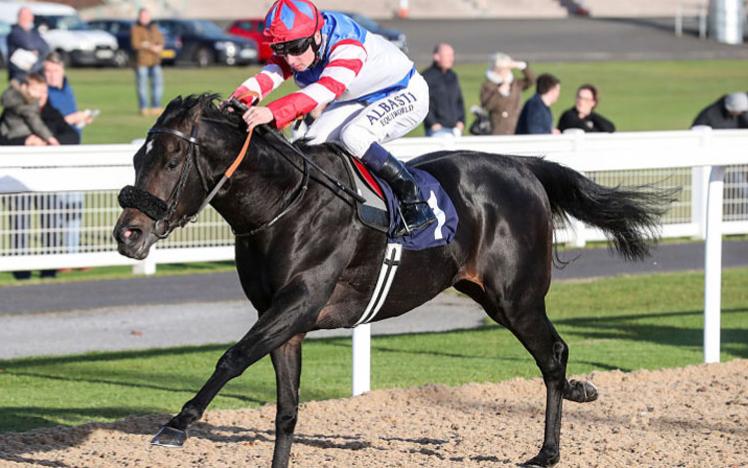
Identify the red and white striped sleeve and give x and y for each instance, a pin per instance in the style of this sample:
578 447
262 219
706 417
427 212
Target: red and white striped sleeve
346 60
268 79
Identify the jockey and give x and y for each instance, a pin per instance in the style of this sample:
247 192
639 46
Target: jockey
368 90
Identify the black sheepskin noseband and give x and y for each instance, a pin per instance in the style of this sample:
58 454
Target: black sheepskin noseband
133 197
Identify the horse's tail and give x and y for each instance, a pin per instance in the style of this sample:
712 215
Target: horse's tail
629 216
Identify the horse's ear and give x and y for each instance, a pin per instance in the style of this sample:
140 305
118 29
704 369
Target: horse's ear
194 113
198 104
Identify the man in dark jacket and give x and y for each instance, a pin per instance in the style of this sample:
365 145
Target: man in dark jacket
446 107
536 117
728 112
26 48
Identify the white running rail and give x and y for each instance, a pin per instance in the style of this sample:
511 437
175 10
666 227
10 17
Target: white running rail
58 205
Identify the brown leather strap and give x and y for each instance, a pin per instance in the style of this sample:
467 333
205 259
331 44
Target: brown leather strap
243 152
239 157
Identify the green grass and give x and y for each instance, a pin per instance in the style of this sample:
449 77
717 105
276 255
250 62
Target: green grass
636 96
117 272
616 323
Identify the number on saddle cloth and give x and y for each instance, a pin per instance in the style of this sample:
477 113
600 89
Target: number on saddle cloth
380 211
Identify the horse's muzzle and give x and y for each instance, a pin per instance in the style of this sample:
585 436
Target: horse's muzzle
134 238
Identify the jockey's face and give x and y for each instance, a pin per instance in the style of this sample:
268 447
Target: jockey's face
305 59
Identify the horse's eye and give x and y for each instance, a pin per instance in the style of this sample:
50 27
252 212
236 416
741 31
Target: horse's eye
172 163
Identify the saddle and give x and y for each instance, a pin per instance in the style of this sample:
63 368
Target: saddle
373 211
379 209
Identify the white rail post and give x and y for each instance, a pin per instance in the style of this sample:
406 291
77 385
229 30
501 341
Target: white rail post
700 184
361 359
713 265
148 266
699 197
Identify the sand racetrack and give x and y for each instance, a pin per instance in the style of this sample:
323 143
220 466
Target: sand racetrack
695 416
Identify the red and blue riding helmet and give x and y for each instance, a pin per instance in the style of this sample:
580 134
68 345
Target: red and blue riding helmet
291 20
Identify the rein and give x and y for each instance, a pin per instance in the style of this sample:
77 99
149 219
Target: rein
160 212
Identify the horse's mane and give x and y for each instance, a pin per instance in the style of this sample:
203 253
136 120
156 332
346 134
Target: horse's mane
206 104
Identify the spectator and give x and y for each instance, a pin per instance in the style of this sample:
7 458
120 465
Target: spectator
62 98
501 93
728 112
583 116
446 107
536 117
21 122
61 95
26 48
148 42
28 120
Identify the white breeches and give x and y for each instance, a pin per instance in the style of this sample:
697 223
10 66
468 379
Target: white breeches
356 126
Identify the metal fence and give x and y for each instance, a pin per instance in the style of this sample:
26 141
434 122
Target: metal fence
49 223
682 211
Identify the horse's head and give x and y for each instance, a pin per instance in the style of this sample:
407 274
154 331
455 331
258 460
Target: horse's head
172 175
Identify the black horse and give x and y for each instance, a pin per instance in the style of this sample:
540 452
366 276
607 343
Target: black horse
316 267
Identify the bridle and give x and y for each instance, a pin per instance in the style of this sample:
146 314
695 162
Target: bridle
155 208
162 211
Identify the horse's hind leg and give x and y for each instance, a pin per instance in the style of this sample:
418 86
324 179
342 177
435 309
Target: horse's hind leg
287 365
551 353
532 327
526 318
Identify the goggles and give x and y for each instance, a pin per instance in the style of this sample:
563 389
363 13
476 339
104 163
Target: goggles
296 47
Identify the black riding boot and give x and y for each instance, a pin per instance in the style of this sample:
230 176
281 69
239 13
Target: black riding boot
415 212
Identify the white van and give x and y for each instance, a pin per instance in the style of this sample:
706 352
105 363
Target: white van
66 32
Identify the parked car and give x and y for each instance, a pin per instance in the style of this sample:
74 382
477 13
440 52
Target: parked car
251 28
393 35
65 32
120 28
205 43
4 31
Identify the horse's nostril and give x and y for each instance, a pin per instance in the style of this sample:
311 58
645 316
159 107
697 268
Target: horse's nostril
128 235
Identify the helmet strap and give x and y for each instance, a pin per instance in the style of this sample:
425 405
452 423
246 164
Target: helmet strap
316 48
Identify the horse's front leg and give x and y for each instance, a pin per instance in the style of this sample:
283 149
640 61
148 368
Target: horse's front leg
287 365
292 312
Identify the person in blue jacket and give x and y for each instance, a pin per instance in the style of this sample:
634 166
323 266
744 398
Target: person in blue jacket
536 117
62 98
61 95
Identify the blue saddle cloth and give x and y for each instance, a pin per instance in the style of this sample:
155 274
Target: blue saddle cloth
436 234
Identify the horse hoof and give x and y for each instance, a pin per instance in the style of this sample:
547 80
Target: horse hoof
581 392
542 460
169 437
